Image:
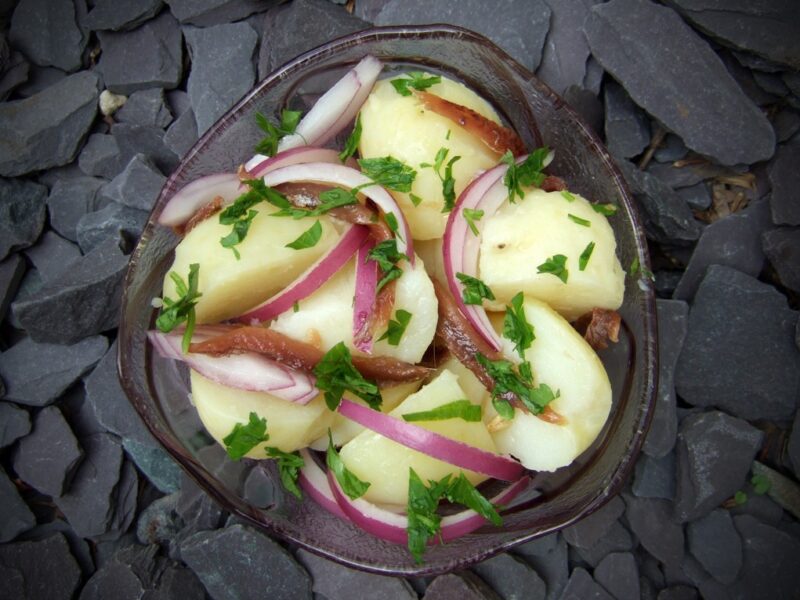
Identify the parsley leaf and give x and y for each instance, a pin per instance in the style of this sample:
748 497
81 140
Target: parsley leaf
175 312
415 200
527 174
516 327
396 328
240 215
388 172
351 145
578 220
605 209
761 484
471 215
474 290
638 269
567 196
448 182
414 79
518 382
423 522
245 437
461 491
555 265
458 409
289 464
583 259
307 239
329 199
336 374
351 485
289 121
387 256
391 221
503 408
296 306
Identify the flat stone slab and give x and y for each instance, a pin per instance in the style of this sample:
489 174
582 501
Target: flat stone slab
655 477
463 586
511 577
626 126
22 214
15 517
616 539
651 521
69 200
100 156
46 569
782 247
116 16
586 532
115 223
15 422
145 107
214 12
581 585
12 272
52 254
619 574
716 544
704 105
137 186
48 33
549 556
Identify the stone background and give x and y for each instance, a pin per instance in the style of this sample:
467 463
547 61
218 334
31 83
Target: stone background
698 99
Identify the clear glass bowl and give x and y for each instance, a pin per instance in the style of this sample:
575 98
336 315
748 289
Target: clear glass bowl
158 388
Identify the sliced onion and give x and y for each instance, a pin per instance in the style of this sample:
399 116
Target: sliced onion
364 302
255 161
195 195
293 156
348 178
248 371
433 444
336 108
315 483
311 280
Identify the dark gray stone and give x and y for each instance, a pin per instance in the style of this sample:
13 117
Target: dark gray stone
182 134
77 545
113 224
713 369
155 464
222 69
28 288
715 451
47 129
145 107
160 522
14 423
633 39
48 457
223 561
619 574
138 139
178 102
786 123
113 580
587 105
69 200
52 254
47 568
586 532
651 521
214 12
760 506
511 578
549 558
582 586
101 156
15 75
793 448
22 214
771 83
594 76
47 32
12 270
678 592
37 373
686 175
39 78
15 517
123 503
715 543
782 247
655 477
616 539
109 14
784 177
697 196
733 241
137 186
540 546
463 586
147 57
259 488
671 149
626 126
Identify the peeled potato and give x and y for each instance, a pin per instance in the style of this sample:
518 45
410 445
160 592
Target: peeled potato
473 388
398 126
563 360
230 286
523 235
290 426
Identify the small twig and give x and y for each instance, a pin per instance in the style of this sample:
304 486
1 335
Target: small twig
655 142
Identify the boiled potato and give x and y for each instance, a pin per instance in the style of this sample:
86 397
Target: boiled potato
523 235
385 464
326 317
473 388
229 286
563 360
430 251
398 126
290 426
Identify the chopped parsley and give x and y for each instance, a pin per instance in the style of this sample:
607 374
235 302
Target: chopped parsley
289 464
578 220
567 196
527 174
555 265
336 375
296 306
351 485
391 221
387 256
461 491
240 214
415 79
329 199
415 200
761 484
351 145
474 290
181 310
638 269
388 172
458 409
289 121
246 436
448 182
307 239
517 381
470 216
583 260
516 327
605 209
396 327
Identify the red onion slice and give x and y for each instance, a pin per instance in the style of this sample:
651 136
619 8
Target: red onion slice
336 108
433 444
293 156
311 280
364 302
314 482
195 195
348 178
247 371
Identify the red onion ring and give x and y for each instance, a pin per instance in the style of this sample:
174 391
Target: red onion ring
311 280
195 195
433 444
293 156
364 302
314 482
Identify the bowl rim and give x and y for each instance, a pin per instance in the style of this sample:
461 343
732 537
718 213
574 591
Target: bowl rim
646 402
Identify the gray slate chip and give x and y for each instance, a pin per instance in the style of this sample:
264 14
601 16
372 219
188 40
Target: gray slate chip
69 200
586 532
145 107
549 556
214 12
626 126
697 196
619 574
100 156
81 302
786 123
655 477
22 214
110 14
48 457
581 585
651 521
715 369
15 75
716 544
160 522
671 149
222 69
715 451
223 560
463 586
40 78
793 448
12 270
782 247
37 373
48 569
137 186
15 517
687 175
112 224
78 546
259 488
703 104
587 105
139 139
149 56
616 539
123 503
511 578
182 134
155 464
47 32
47 129
678 592
52 254
113 580
15 422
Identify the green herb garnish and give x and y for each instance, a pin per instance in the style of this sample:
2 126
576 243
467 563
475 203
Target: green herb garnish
458 409
181 310
516 327
245 437
761 484
518 382
605 209
350 484
289 464
637 269
474 290
448 182
296 306
567 196
415 200
289 121
471 215
336 375
396 327
527 174
388 172
351 145
387 257
583 260
307 239
461 491
578 220
415 79
555 265
391 221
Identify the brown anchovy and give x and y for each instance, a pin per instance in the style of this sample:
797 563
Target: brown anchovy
599 326
203 213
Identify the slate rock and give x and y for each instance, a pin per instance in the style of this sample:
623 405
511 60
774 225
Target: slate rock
655 477
697 196
137 186
678 592
149 56
109 14
760 506
182 134
626 126
69 200
616 539
14 423
37 373
15 517
782 247
28 288
113 580
22 214
39 78
123 503
587 105
139 139
100 156
511 578
715 451
687 175
589 530
113 224
549 558
222 69
518 26
48 33
540 546
52 254
47 569
78 547
594 76
259 488
145 107
155 464
733 241
671 149
15 74
204 13
786 123
771 83
47 129
463 586
12 270
581 585
716 544
793 447
223 561
619 574
633 39
714 369
160 522
176 583
651 521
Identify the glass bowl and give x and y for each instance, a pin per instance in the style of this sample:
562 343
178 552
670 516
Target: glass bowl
158 388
